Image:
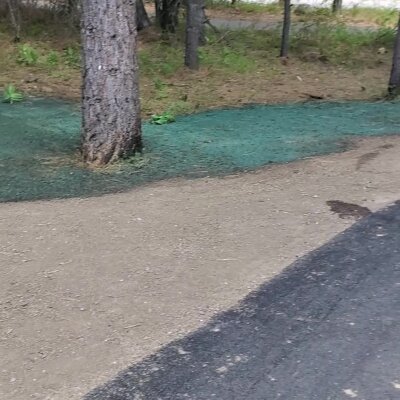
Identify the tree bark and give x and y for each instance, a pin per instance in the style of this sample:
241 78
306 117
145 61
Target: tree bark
167 12
204 20
70 6
337 5
194 29
394 81
111 125
71 10
142 19
286 29
13 7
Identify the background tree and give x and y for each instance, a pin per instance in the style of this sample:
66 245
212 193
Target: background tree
394 81
167 13
286 29
15 18
194 31
110 94
337 5
142 19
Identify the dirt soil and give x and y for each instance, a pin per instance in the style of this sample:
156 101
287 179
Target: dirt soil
91 286
295 81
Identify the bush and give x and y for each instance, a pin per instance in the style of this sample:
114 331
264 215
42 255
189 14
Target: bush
27 55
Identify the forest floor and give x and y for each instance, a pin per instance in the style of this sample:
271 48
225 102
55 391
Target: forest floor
94 285
328 60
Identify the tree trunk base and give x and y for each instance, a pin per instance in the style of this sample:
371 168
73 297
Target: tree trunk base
110 152
110 92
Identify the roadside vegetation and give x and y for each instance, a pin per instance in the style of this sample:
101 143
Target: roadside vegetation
354 15
329 58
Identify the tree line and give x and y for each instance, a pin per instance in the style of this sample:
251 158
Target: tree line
111 124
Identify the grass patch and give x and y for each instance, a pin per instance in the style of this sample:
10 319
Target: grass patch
228 59
339 44
246 50
306 13
160 59
380 16
248 8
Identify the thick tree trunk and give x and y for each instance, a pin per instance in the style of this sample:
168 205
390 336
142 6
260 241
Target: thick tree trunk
286 29
337 5
394 81
110 94
167 12
194 29
142 19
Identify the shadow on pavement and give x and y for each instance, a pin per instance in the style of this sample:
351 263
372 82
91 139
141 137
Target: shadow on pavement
326 328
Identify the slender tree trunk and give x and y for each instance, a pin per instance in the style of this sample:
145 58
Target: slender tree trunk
70 6
142 19
194 29
337 5
71 10
13 7
394 81
167 12
286 29
110 94
204 20
159 9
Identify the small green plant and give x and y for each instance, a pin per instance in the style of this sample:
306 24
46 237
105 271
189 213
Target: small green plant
159 84
162 119
11 95
72 57
52 58
27 55
160 87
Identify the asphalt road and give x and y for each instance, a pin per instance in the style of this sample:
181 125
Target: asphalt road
327 328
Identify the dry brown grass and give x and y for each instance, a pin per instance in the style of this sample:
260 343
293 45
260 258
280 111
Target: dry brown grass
232 73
